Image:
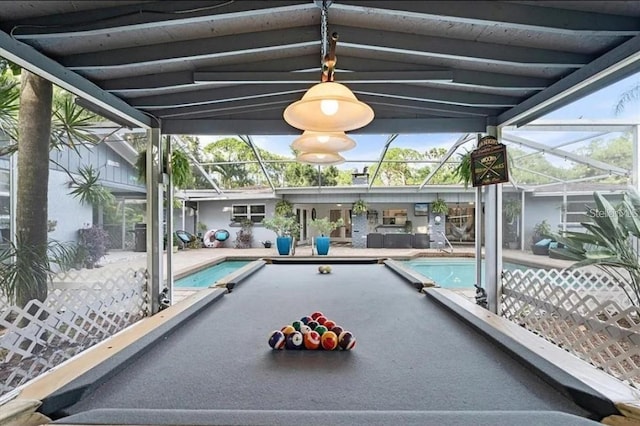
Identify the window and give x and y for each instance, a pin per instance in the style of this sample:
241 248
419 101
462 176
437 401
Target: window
394 217
577 211
254 212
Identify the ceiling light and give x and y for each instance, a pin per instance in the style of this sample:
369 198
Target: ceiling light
328 106
320 158
322 142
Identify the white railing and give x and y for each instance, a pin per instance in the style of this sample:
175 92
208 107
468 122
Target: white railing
583 312
81 309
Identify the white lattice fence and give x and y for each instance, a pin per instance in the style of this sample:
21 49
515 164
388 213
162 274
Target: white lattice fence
82 309
581 312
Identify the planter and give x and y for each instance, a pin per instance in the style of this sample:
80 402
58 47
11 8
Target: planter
284 245
322 245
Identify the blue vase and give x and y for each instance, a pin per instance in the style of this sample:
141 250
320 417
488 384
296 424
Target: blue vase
322 245
284 245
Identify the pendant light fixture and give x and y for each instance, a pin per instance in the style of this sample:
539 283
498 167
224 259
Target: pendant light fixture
328 106
323 142
320 158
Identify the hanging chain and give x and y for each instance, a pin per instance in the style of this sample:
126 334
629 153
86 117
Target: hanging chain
324 37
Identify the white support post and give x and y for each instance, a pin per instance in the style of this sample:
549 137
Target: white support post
478 243
522 222
169 216
124 224
13 198
635 170
493 240
155 232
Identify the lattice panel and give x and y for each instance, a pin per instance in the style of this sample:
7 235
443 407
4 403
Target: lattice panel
82 309
582 313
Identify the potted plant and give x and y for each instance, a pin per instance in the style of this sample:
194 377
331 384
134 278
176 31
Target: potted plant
284 227
284 208
244 237
359 207
541 231
439 206
181 173
463 169
176 244
324 227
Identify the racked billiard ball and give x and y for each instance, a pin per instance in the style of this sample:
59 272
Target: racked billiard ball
313 324
346 340
329 324
297 324
306 319
321 329
317 314
295 340
337 329
304 329
287 329
321 319
277 340
329 341
311 340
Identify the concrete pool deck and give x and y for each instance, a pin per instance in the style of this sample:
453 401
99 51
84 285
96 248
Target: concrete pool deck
192 259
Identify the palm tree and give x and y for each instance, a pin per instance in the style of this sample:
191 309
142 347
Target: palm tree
34 135
42 123
633 94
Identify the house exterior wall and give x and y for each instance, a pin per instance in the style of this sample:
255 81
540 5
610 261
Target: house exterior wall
217 215
65 209
112 167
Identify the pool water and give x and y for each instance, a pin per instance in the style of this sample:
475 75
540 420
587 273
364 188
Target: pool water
452 273
210 275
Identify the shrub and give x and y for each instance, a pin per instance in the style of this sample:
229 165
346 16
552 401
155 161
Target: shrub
94 242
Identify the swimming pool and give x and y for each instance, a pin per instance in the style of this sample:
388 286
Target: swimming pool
210 275
451 273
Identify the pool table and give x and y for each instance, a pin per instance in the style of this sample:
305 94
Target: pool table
418 360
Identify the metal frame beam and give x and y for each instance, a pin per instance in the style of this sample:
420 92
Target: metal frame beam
566 154
197 164
30 59
382 155
247 139
461 140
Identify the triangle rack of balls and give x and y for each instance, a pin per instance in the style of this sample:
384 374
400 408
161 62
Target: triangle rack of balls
312 332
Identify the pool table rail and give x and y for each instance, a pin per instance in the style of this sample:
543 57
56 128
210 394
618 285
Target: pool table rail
585 384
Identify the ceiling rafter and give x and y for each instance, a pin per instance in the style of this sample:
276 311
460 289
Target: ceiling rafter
508 15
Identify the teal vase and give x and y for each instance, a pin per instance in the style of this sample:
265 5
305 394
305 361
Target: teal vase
322 245
284 245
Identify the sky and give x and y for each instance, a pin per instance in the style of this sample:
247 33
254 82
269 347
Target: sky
598 105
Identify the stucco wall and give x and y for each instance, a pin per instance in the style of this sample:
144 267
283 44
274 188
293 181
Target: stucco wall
65 209
213 214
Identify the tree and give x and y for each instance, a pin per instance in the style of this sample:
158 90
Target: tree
523 162
9 103
618 152
398 172
34 136
630 95
43 122
233 152
446 174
